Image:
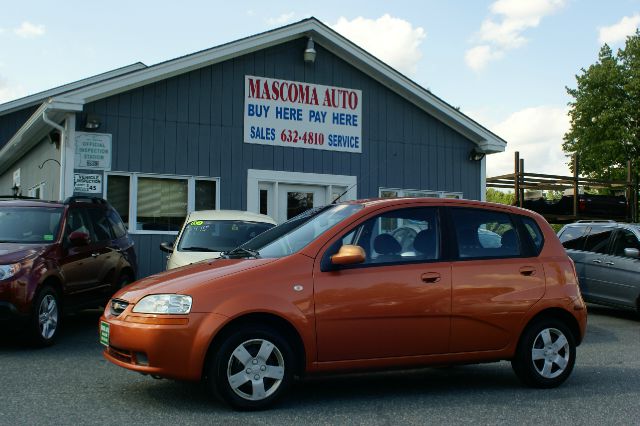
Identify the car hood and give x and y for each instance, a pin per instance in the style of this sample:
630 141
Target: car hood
183 258
16 252
182 280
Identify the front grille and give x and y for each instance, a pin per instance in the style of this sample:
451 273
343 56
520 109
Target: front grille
117 306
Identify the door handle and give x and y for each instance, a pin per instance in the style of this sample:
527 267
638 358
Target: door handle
430 277
609 263
527 271
597 261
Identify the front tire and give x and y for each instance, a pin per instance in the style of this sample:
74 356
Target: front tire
252 368
545 355
45 319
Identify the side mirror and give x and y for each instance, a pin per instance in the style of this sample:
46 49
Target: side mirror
166 246
349 255
78 239
632 252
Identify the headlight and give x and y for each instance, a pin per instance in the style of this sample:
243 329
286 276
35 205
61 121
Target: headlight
7 271
164 304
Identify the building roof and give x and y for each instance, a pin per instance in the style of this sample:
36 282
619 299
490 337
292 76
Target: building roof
75 95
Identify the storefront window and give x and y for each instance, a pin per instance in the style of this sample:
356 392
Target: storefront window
118 195
162 204
393 192
205 194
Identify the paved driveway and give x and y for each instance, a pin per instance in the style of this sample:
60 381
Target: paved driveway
71 383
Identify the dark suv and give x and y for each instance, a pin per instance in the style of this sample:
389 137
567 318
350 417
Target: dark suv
607 259
59 255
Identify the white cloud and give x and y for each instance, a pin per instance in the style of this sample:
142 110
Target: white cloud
478 57
537 134
8 92
29 30
283 19
504 30
618 32
393 40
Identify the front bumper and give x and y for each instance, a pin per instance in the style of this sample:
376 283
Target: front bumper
172 346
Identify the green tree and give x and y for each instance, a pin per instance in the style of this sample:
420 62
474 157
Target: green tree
495 196
605 113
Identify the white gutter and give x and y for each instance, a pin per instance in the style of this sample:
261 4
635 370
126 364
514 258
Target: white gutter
63 137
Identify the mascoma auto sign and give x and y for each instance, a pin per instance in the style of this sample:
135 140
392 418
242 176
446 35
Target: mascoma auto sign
296 114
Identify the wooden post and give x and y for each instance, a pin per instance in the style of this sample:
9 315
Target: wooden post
522 182
516 179
629 194
575 186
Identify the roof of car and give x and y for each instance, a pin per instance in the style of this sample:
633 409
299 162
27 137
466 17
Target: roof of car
26 202
230 215
370 202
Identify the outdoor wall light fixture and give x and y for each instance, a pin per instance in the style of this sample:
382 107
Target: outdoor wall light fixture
92 122
310 52
476 155
16 190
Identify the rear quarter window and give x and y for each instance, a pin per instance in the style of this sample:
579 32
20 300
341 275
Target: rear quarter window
573 237
534 232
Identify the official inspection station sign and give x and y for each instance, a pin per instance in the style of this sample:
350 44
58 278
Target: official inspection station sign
302 115
93 151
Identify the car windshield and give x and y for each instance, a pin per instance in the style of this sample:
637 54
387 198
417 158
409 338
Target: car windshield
298 232
219 235
35 225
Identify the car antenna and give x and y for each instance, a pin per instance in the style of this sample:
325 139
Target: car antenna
345 191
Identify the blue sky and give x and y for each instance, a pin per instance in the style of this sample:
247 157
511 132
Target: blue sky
505 62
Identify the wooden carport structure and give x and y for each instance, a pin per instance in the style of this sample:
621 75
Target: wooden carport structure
519 181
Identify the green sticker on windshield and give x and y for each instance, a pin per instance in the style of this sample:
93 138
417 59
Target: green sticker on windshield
197 223
234 227
48 237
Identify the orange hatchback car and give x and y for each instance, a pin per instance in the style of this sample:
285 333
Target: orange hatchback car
368 284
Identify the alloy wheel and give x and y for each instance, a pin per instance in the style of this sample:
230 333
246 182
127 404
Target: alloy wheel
255 369
550 353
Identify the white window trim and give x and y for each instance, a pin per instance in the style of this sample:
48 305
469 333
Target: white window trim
438 194
255 177
133 195
32 191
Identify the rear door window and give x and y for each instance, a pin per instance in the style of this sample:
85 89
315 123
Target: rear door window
485 234
573 237
598 239
534 232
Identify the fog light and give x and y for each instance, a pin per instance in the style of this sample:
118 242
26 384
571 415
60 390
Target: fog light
141 358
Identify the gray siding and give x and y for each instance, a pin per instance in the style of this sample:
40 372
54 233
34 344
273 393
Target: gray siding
192 124
31 174
11 123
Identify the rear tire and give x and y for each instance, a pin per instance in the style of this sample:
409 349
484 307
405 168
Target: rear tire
545 355
45 318
252 368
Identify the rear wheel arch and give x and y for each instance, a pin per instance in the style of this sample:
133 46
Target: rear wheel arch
558 314
273 321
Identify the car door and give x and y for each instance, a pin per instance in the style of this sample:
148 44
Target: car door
397 302
621 282
494 283
78 264
106 252
596 253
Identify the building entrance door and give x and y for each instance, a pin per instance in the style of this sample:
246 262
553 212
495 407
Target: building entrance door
295 199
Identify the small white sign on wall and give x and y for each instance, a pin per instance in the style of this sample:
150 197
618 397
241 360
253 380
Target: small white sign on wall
87 183
93 151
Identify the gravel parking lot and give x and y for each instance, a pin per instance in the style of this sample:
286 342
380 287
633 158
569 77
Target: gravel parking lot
70 383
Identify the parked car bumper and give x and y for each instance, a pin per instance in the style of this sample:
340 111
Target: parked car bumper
161 345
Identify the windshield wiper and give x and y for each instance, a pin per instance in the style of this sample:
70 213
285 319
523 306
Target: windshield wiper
194 248
241 250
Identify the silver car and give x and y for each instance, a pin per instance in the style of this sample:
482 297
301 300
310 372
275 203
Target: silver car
607 258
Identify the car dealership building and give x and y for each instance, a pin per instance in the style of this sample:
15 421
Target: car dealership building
273 123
